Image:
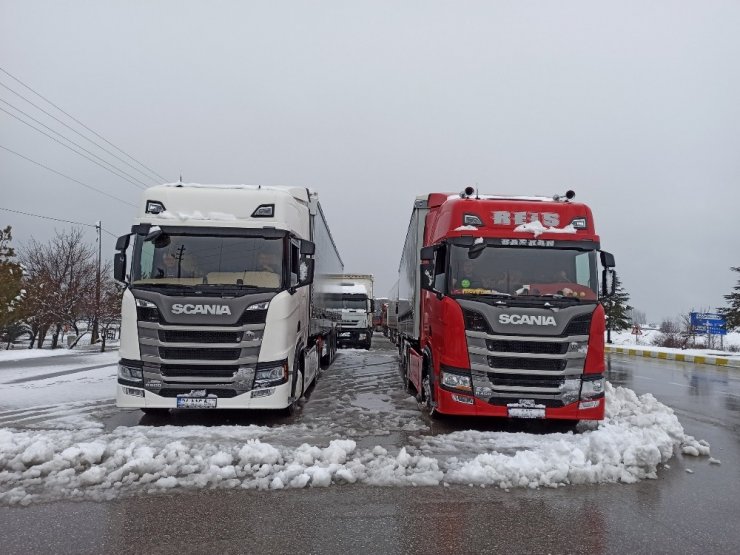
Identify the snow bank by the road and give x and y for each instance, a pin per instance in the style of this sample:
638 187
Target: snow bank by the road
24 354
638 434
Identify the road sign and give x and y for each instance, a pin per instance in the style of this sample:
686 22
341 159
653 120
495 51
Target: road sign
636 330
709 323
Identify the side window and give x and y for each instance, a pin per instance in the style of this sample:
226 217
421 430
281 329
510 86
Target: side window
440 269
583 269
294 262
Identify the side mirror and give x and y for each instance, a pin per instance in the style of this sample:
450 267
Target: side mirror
372 305
122 242
307 247
427 253
119 267
607 259
427 276
608 283
305 271
154 233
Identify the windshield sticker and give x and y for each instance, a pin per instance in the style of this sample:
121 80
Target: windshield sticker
527 243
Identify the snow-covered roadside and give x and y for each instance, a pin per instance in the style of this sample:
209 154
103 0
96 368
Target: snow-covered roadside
24 354
80 460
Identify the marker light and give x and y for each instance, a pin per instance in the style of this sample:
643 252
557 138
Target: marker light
154 207
579 223
264 211
472 219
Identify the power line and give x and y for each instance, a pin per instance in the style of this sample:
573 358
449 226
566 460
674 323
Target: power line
82 124
114 172
74 130
66 176
56 219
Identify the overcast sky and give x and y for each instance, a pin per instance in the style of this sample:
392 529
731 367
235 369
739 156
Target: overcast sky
634 105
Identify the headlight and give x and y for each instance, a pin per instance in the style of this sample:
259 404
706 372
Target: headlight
592 388
130 373
259 306
578 347
271 373
147 310
456 381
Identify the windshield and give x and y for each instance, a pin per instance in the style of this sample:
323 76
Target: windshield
524 271
189 260
338 302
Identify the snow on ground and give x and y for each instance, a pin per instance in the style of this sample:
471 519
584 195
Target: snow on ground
23 354
71 456
645 341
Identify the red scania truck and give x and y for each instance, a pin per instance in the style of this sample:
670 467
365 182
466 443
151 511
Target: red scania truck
498 306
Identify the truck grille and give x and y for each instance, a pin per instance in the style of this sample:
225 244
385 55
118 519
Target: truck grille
519 381
535 347
515 366
515 363
177 336
184 371
173 353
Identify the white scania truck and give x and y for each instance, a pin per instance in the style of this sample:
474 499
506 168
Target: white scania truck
220 309
350 296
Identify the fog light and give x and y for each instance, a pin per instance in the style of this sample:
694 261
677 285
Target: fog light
589 404
263 392
462 399
133 392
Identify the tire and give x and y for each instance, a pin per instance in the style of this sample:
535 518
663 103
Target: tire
426 397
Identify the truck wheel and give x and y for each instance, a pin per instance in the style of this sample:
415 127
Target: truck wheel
426 397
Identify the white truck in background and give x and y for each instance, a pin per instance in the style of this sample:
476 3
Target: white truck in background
219 310
351 297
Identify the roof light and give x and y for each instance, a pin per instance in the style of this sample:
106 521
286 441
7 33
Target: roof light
472 219
579 223
264 211
154 207
467 192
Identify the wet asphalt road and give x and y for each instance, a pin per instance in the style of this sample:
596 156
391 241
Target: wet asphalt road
677 513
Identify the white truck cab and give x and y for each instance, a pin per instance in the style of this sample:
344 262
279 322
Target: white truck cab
217 312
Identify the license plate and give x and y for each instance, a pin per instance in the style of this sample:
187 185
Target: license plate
526 412
196 402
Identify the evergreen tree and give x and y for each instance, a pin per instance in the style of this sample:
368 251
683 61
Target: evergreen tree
732 313
11 276
617 310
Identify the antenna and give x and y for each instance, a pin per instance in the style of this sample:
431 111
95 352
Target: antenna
477 197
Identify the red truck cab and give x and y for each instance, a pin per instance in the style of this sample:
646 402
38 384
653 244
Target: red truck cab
499 311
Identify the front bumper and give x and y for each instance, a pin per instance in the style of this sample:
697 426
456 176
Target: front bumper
278 399
464 404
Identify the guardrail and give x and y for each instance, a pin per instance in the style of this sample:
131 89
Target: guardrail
680 357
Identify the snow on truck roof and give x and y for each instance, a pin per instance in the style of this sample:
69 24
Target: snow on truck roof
244 206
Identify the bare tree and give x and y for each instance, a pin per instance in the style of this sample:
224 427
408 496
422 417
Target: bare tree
62 274
109 314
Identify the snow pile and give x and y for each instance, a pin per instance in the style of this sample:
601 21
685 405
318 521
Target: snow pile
637 435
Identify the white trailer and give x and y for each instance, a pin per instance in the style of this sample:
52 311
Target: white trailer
351 297
219 309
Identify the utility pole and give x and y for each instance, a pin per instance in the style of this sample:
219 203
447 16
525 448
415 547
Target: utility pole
95 335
